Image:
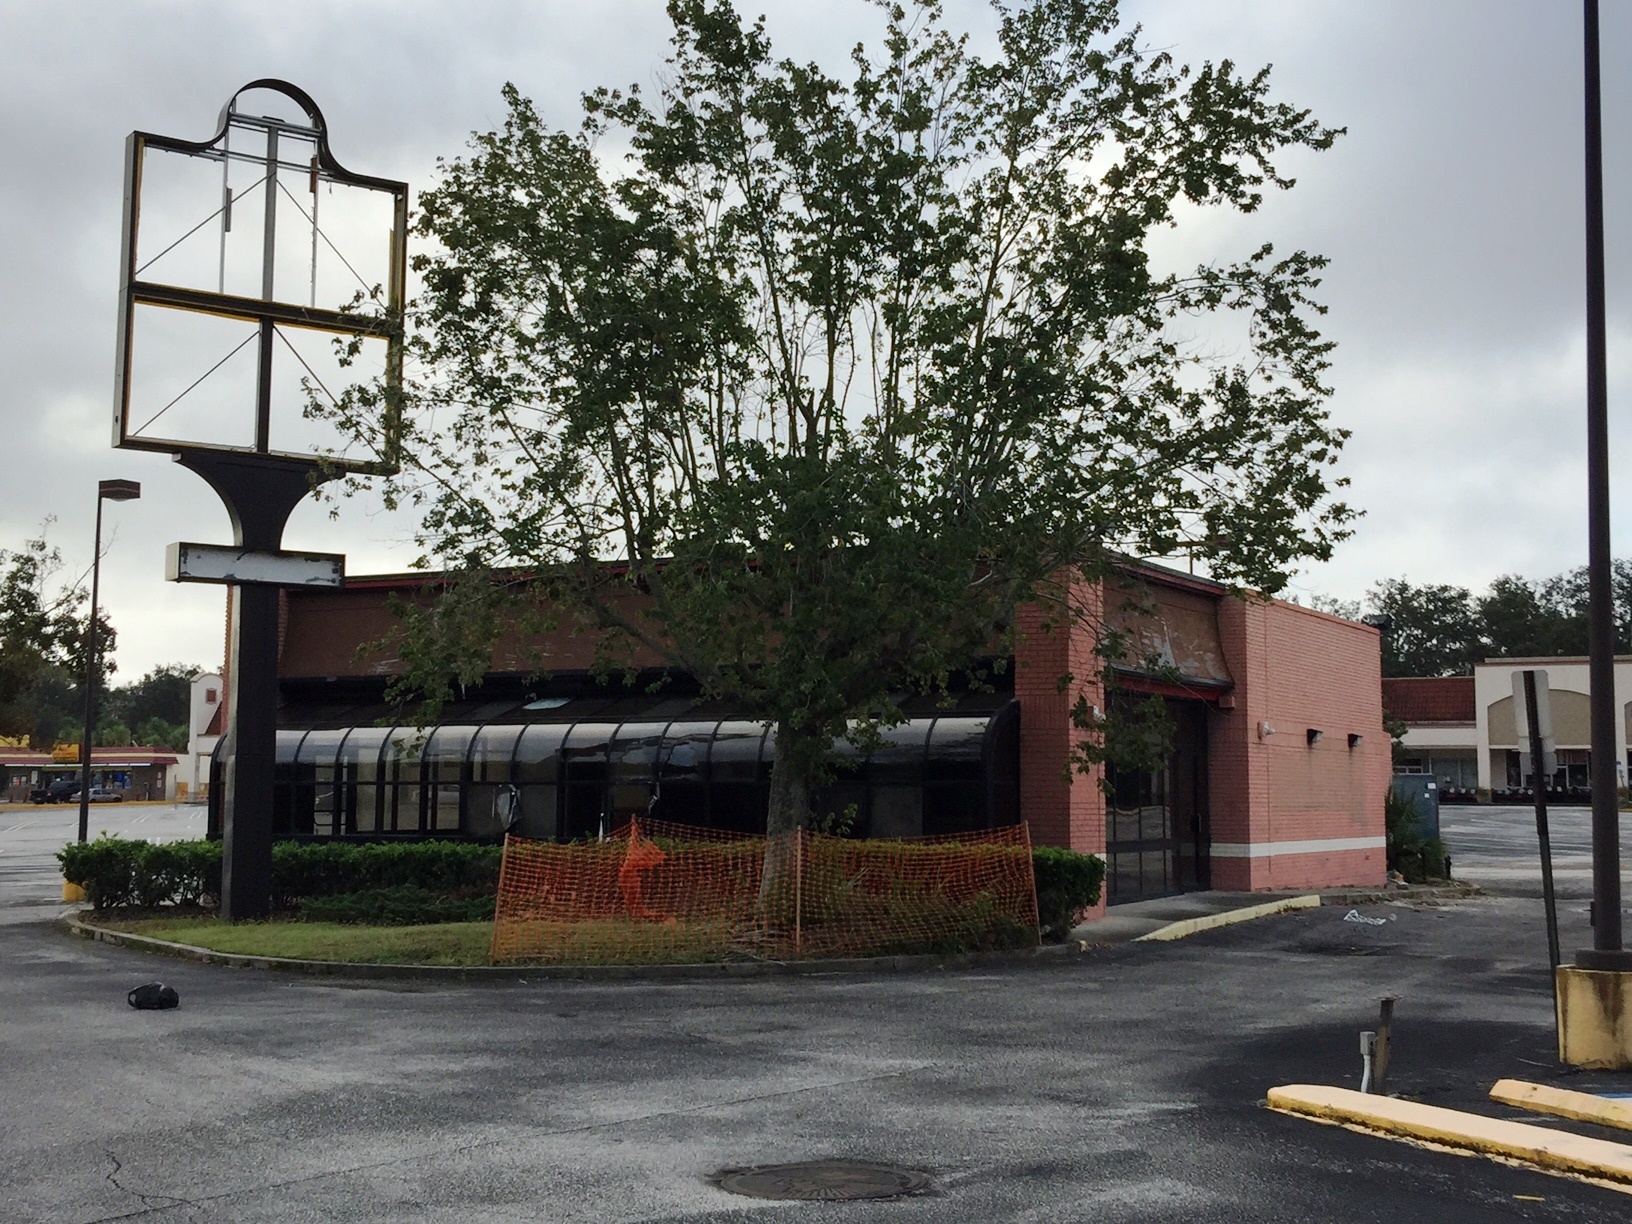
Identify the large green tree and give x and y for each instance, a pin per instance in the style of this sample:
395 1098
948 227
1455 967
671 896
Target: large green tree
838 371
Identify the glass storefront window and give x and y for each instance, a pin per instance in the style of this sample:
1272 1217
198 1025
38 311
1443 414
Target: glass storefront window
561 781
358 766
444 767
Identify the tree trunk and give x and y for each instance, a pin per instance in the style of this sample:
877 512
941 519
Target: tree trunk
788 813
790 790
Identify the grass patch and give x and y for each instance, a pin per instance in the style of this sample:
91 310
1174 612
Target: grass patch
444 943
620 941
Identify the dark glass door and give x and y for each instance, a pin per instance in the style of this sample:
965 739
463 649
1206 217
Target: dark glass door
1156 833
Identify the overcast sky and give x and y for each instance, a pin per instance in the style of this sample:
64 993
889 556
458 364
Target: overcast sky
1451 212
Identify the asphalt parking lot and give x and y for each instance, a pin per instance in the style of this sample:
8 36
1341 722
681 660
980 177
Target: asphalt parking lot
1121 1085
31 835
1496 848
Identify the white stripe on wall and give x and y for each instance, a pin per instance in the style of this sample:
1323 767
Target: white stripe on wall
1329 845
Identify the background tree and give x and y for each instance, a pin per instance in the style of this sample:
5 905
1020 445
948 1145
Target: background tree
1442 630
1518 621
841 371
156 708
1434 630
42 644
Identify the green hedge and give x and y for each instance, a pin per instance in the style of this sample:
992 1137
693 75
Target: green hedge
327 869
404 905
1067 883
115 872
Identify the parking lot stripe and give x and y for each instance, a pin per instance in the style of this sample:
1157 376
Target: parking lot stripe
1564 1103
1208 922
1549 1150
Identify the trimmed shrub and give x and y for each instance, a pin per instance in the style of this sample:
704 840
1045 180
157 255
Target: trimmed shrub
1067 884
116 873
178 873
105 868
415 878
301 870
404 905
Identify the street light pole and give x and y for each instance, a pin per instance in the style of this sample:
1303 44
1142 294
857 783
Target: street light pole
1606 951
106 490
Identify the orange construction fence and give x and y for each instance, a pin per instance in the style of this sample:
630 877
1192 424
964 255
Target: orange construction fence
656 892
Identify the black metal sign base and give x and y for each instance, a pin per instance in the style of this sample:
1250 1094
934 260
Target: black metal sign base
259 494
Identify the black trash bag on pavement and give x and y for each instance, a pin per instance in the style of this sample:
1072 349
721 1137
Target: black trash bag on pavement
155 996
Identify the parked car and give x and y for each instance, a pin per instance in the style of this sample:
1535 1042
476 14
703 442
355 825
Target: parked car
66 790
63 790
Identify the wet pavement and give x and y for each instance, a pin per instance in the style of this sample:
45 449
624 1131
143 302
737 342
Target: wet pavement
1121 1085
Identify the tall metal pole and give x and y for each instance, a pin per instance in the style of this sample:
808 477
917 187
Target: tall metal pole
1606 950
252 692
90 682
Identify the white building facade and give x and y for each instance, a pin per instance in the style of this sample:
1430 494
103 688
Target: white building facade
205 721
1462 728
1497 731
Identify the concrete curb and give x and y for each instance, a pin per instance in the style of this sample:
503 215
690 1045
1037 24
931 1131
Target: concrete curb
1207 922
1549 1150
1563 1103
1456 890
600 973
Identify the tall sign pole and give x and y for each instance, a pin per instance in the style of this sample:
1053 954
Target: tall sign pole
259 484
1532 710
1607 951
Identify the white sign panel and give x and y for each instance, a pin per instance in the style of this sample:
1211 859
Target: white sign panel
185 562
1544 724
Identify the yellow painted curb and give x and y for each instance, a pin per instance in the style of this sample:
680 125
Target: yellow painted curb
1554 1151
1563 1103
1190 926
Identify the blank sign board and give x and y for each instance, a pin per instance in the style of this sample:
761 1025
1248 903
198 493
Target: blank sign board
1544 723
185 562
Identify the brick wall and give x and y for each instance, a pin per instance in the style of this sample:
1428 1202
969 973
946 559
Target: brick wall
1287 813
1284 813
1063 806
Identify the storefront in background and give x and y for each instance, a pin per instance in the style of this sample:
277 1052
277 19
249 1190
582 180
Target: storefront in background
134 773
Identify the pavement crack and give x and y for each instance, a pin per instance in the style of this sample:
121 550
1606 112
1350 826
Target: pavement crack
150 1202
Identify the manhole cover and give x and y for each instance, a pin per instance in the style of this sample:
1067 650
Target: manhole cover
824 1180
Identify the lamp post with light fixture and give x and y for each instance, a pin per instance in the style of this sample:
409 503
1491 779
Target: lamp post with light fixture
106 490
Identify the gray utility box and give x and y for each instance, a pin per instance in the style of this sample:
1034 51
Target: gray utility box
1423 791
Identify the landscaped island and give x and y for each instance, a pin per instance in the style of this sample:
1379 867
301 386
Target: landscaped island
672 896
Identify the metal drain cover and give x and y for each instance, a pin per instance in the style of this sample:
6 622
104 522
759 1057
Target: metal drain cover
824 1181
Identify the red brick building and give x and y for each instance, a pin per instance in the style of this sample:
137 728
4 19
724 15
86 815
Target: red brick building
1275 778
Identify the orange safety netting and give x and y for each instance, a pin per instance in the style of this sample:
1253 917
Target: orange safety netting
653 892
